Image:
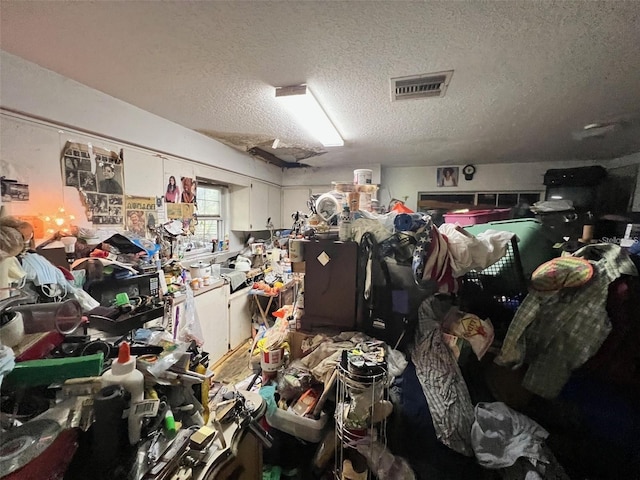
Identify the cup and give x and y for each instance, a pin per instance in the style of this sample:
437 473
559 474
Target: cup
215 271
12 332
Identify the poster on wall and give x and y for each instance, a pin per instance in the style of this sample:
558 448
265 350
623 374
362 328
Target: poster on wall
141 213
13 191
183 212
189 186
173 191
77 159
102 187
109 171
447 176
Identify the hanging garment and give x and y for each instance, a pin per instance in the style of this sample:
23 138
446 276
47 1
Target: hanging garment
557 332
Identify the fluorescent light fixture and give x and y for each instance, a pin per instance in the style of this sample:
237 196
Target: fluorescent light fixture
303 105
556 197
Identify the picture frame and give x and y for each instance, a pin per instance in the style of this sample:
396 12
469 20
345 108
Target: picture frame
447 176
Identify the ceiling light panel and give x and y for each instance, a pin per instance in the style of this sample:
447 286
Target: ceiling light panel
305 108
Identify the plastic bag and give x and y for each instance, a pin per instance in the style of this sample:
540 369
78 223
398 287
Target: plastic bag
189 328
294 380
384 464
167 361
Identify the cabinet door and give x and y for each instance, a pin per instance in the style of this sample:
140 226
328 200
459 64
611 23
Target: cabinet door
212 313
239 318
240 208
259 204
274 206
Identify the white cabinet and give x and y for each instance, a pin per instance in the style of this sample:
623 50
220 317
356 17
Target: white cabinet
212 314
239 317
274 206
251 206
294 200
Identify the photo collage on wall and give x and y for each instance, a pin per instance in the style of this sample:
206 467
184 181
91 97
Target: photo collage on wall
180 199
180 189
102 188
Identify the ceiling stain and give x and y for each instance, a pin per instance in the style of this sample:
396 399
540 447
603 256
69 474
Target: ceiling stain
261 146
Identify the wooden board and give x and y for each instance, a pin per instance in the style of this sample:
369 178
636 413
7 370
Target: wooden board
234 366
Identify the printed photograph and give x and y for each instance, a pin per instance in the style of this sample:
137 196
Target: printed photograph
172 194
447 176
110 179
87 181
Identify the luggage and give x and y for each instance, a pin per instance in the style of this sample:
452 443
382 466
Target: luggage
575 177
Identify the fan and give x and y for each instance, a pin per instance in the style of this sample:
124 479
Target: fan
606 128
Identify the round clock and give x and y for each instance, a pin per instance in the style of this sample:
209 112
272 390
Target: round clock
468 171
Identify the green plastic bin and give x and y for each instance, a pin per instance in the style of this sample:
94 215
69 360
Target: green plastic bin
535 241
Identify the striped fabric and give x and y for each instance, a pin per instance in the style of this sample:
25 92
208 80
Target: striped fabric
441 380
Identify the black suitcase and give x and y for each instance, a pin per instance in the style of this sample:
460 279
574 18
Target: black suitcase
575 177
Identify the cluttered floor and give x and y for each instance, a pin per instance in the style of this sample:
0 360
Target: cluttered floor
537 392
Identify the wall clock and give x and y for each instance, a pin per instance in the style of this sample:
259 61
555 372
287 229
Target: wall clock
468 171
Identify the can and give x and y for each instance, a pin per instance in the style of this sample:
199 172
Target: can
296 250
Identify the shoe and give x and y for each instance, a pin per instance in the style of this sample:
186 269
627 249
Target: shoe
349 473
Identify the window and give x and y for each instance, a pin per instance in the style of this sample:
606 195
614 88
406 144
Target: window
210 209
429 201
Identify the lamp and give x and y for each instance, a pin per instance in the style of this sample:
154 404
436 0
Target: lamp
58 222
69 244
303 105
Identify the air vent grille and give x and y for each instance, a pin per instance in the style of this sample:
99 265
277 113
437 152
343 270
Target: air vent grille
420 86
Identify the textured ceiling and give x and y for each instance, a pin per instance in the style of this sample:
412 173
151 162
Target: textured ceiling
527 75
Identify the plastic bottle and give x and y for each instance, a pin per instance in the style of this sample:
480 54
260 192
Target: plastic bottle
344 224
123 372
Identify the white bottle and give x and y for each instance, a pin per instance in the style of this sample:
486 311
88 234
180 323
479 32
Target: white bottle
123 372
344 225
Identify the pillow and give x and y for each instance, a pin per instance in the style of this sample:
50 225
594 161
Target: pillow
561 272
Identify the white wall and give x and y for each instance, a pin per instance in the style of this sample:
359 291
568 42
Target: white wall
30 151
401 182
323 176
32 90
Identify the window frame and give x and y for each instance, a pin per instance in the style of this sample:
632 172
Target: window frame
221 218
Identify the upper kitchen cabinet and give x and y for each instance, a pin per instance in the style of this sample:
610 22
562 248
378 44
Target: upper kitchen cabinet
275 206
251 206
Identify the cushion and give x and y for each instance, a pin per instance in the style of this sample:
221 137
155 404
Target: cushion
562 272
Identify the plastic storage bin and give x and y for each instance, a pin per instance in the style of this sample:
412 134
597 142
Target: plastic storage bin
535 240
302 427
475 217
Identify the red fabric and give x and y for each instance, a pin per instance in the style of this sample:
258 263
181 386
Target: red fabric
53 462
67 274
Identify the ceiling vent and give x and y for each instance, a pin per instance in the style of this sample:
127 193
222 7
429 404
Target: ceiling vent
420 86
